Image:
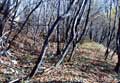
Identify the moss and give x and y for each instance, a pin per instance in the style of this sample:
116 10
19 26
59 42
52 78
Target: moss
91 46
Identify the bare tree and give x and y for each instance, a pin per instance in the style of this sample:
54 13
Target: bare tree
45 45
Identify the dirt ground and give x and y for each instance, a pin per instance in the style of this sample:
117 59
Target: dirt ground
87 66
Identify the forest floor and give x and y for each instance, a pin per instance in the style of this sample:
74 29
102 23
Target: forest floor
87 66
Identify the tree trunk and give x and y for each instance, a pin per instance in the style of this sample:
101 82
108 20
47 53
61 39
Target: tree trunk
1 28
117 68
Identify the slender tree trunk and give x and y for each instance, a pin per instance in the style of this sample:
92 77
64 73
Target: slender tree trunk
58 31
117 68
1 28
58 40
110 33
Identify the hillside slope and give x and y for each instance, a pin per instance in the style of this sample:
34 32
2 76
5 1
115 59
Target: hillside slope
87 66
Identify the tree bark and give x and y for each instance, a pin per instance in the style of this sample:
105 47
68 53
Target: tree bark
117 68
1 28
